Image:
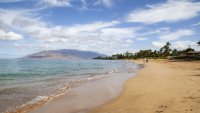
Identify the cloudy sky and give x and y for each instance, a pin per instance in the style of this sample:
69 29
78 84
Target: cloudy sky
104 26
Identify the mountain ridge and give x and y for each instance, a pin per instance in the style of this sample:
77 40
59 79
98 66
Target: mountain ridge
63 54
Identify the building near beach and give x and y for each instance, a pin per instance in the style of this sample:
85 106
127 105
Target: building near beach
193 53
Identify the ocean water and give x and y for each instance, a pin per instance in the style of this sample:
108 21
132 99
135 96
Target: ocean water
25 82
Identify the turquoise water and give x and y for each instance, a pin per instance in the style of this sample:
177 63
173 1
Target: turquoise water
28 81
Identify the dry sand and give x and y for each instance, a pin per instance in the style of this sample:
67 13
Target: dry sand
160 87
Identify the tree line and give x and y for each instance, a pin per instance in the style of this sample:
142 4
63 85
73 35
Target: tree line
163 52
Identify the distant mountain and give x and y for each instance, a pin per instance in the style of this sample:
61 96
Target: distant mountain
64 54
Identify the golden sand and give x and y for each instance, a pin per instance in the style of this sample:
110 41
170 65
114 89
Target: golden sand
160 87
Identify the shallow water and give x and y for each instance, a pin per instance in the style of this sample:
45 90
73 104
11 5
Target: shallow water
29 81
87 95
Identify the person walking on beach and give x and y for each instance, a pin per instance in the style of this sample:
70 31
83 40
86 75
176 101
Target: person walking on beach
146 60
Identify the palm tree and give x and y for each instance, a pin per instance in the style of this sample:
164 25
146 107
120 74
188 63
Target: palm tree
198 43
174 52
165 50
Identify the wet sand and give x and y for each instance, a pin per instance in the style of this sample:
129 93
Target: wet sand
160 87
86 95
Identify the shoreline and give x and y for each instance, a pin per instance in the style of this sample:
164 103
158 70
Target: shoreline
101 90
39 98
161 86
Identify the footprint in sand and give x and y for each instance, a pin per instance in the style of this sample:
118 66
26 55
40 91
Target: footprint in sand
159 111
162 108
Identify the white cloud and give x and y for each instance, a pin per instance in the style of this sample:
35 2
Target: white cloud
170 36
158 44
31 46
171 11
197 24
129 41
106 3
7 16
84 5
9 35
55 3
184 44
117 33
93 26
77 4
165 34
180 45
9 1
100 36
145 34
142 39
165 28
38 29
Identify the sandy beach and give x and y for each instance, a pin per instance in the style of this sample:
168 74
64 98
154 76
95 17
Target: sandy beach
160 87
99 56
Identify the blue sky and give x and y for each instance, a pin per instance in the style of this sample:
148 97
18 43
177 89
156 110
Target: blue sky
104 26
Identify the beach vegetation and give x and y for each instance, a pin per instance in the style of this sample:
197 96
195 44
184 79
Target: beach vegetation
198 43
165 52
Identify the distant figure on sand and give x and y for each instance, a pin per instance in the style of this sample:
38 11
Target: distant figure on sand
144 60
